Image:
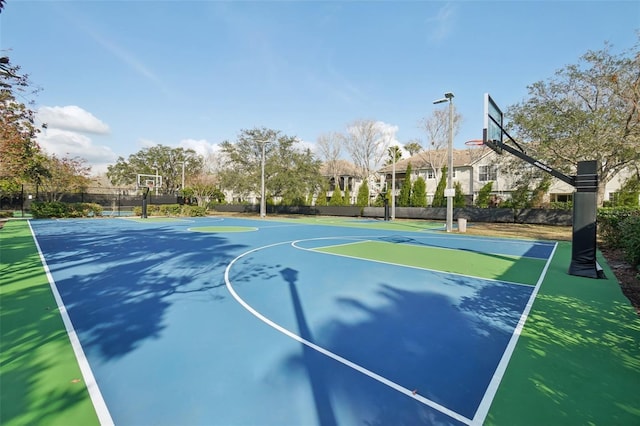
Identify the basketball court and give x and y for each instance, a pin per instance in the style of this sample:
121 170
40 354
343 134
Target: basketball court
239 321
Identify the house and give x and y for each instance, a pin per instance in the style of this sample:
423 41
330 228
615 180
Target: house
473 168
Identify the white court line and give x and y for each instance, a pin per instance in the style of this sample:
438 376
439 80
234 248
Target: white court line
485 404
330 354
99 405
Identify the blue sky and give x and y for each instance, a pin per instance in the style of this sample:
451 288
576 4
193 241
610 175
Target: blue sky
118 76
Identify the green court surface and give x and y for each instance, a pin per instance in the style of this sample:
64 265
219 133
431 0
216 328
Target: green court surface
577 361
40 380
497 267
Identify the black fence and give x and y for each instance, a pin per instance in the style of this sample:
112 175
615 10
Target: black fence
490 215
112 202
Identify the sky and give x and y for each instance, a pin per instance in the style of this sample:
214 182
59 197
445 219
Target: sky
119 76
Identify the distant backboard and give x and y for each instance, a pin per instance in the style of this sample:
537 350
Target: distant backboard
149 181
492 132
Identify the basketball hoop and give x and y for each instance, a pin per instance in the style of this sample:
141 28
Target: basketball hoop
474 142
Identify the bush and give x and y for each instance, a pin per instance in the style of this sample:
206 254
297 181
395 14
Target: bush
609 224
41 210
5 213
630 228
58 209
171 210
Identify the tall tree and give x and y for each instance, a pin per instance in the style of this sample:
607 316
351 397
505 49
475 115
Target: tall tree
336 197
160 159
19 152
291 173
404 199
367 142
64 175
436 127
438 197
587 111
419 193
459 199
330 147
363 195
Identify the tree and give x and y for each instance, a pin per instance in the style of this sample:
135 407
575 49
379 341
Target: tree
367 142
629 192
438 197
290 173
63 175
413 147
459 199
484 195
404 199
160 159
19 152
321 199
587 111
330 146
347 195
204 188
419 193
363 195
394 154
336 198
436 127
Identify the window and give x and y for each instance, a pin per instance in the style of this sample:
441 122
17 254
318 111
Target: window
431 174
561 198
487 173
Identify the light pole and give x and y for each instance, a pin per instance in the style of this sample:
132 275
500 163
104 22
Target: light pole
449 192
263 207
182 187
394 152
156 181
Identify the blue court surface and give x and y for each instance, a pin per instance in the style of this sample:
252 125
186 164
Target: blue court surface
288 323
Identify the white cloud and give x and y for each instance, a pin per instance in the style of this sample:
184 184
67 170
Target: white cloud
64 143
200 146
71 117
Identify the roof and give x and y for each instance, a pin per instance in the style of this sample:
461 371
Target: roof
424 159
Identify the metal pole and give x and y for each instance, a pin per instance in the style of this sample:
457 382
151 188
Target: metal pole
393 186
156 182
182 178
262 200
450 168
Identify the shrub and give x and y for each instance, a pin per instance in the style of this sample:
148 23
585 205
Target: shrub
362 199
609 224
484 195
41 210
59 209
194 211
170 209
630 228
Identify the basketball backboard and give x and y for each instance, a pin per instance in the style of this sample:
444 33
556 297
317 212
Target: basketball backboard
492 133
152 182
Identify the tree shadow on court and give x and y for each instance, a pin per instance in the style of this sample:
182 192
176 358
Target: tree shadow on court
118 286
443 348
